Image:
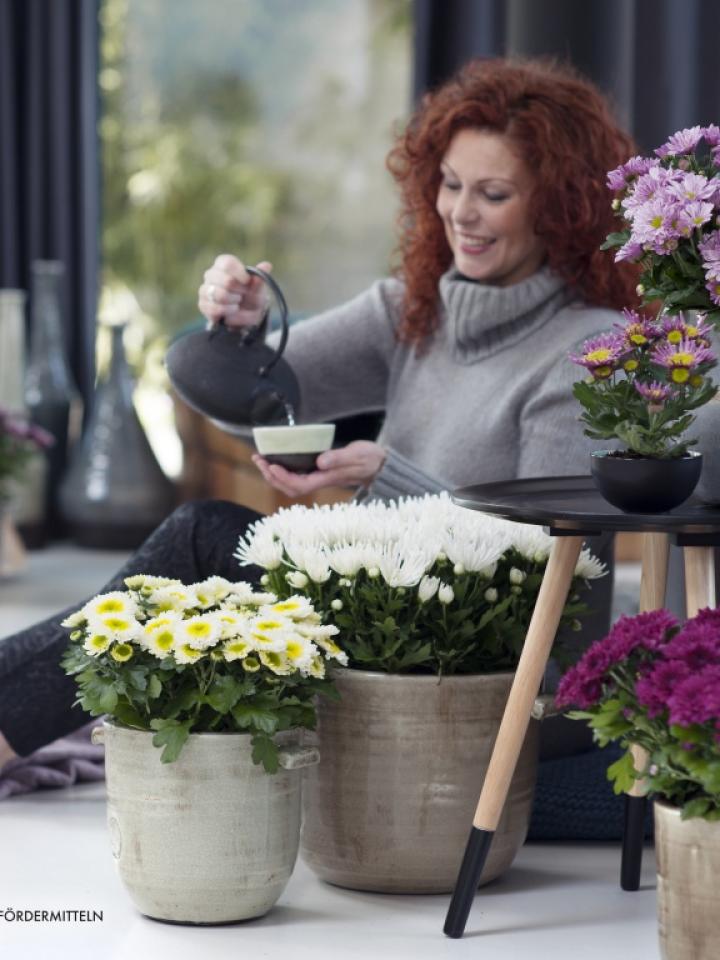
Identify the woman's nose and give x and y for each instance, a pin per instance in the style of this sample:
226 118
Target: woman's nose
464 211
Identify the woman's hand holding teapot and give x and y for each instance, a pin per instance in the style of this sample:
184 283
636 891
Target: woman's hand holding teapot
350 466
230 293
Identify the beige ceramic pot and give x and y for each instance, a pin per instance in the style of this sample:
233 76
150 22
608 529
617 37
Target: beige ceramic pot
390 806
210 838
688 868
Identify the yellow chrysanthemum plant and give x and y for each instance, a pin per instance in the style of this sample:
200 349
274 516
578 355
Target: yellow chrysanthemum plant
208 657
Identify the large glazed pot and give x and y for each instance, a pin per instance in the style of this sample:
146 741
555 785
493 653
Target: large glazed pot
688 867
403 760
209 838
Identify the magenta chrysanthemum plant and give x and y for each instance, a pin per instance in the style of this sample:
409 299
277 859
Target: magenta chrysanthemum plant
19 440
645 377
653 683
669 211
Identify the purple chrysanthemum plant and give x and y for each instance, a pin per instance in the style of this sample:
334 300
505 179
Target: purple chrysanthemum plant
19 440
645 379
669 211
656 684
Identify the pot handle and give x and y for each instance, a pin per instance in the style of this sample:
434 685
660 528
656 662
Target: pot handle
544 707
297 757
270 281
97 735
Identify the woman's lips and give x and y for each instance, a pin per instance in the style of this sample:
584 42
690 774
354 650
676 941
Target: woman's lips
474 247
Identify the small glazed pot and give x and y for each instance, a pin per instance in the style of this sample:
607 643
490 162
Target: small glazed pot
645 484
210 838
688 865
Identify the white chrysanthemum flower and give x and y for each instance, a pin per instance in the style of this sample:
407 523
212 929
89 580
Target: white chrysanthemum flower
243 595
428 588
491 595
516 576
347 559
276 661
260 549
118 603
310 559
269 633
171 597
403 567
141 580
117 627
296 607
589 567
446 594
316 668
201 631
96 643
158 635
296 579
300 652
185 653
77 619
237 648
211 592
231 622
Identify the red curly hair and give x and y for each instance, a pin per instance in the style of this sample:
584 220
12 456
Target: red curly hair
562 126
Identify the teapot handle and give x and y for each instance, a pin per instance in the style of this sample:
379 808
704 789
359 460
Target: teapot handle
282 305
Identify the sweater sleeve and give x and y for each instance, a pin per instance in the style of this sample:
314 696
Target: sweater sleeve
399 477
342 357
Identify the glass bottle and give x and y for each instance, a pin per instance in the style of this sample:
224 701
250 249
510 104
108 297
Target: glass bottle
115 492
51 396
27 502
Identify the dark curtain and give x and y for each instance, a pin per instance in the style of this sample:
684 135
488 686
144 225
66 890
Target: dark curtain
49 174
656 59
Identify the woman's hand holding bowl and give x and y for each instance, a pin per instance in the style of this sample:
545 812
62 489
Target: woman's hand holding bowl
350 466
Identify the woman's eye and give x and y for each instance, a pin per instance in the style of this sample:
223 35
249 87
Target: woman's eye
496 197
450 185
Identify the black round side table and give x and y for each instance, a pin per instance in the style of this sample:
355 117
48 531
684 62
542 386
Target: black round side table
572 510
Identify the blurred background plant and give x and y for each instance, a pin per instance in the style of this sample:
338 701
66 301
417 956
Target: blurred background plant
258 128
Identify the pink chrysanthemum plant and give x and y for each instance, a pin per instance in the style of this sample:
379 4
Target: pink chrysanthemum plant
645 377
656 684
669 211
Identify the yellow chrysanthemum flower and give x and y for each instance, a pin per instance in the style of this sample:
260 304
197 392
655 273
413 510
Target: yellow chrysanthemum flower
251 664
236 649
276 662
187 654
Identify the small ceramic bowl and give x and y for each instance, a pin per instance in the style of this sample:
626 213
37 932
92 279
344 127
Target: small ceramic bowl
295 448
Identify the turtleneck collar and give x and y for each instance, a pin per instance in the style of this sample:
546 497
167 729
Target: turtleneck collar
483 319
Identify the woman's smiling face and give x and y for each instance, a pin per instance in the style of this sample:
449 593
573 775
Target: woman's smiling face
483 201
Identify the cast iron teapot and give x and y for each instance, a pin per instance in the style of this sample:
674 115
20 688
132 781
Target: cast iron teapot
232 376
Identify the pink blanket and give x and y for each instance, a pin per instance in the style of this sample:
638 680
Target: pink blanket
72 759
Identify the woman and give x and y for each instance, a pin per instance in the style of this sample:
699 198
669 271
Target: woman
502 176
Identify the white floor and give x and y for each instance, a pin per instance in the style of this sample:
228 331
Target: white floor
558 901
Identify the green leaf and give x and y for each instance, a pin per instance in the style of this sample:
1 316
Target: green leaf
172 735
622 773
154 687
695 808
265 751
261 718
223 694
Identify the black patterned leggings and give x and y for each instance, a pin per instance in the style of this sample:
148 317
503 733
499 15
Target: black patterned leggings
196 541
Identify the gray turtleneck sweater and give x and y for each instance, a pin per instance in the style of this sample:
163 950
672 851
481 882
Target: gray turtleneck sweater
488 398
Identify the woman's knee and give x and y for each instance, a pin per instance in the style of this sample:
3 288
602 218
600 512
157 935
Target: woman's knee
212 512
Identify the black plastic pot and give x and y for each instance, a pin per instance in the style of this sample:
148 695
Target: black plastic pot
643 484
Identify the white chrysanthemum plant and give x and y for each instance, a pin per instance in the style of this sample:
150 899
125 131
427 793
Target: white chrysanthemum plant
207 657
418 585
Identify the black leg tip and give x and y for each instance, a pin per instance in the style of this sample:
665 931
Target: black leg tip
468 879
633 839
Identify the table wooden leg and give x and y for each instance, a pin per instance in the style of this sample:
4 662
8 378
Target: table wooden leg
528 677
653 582
699 578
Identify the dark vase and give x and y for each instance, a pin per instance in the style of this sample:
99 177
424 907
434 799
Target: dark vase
645 484
115 492
51 396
